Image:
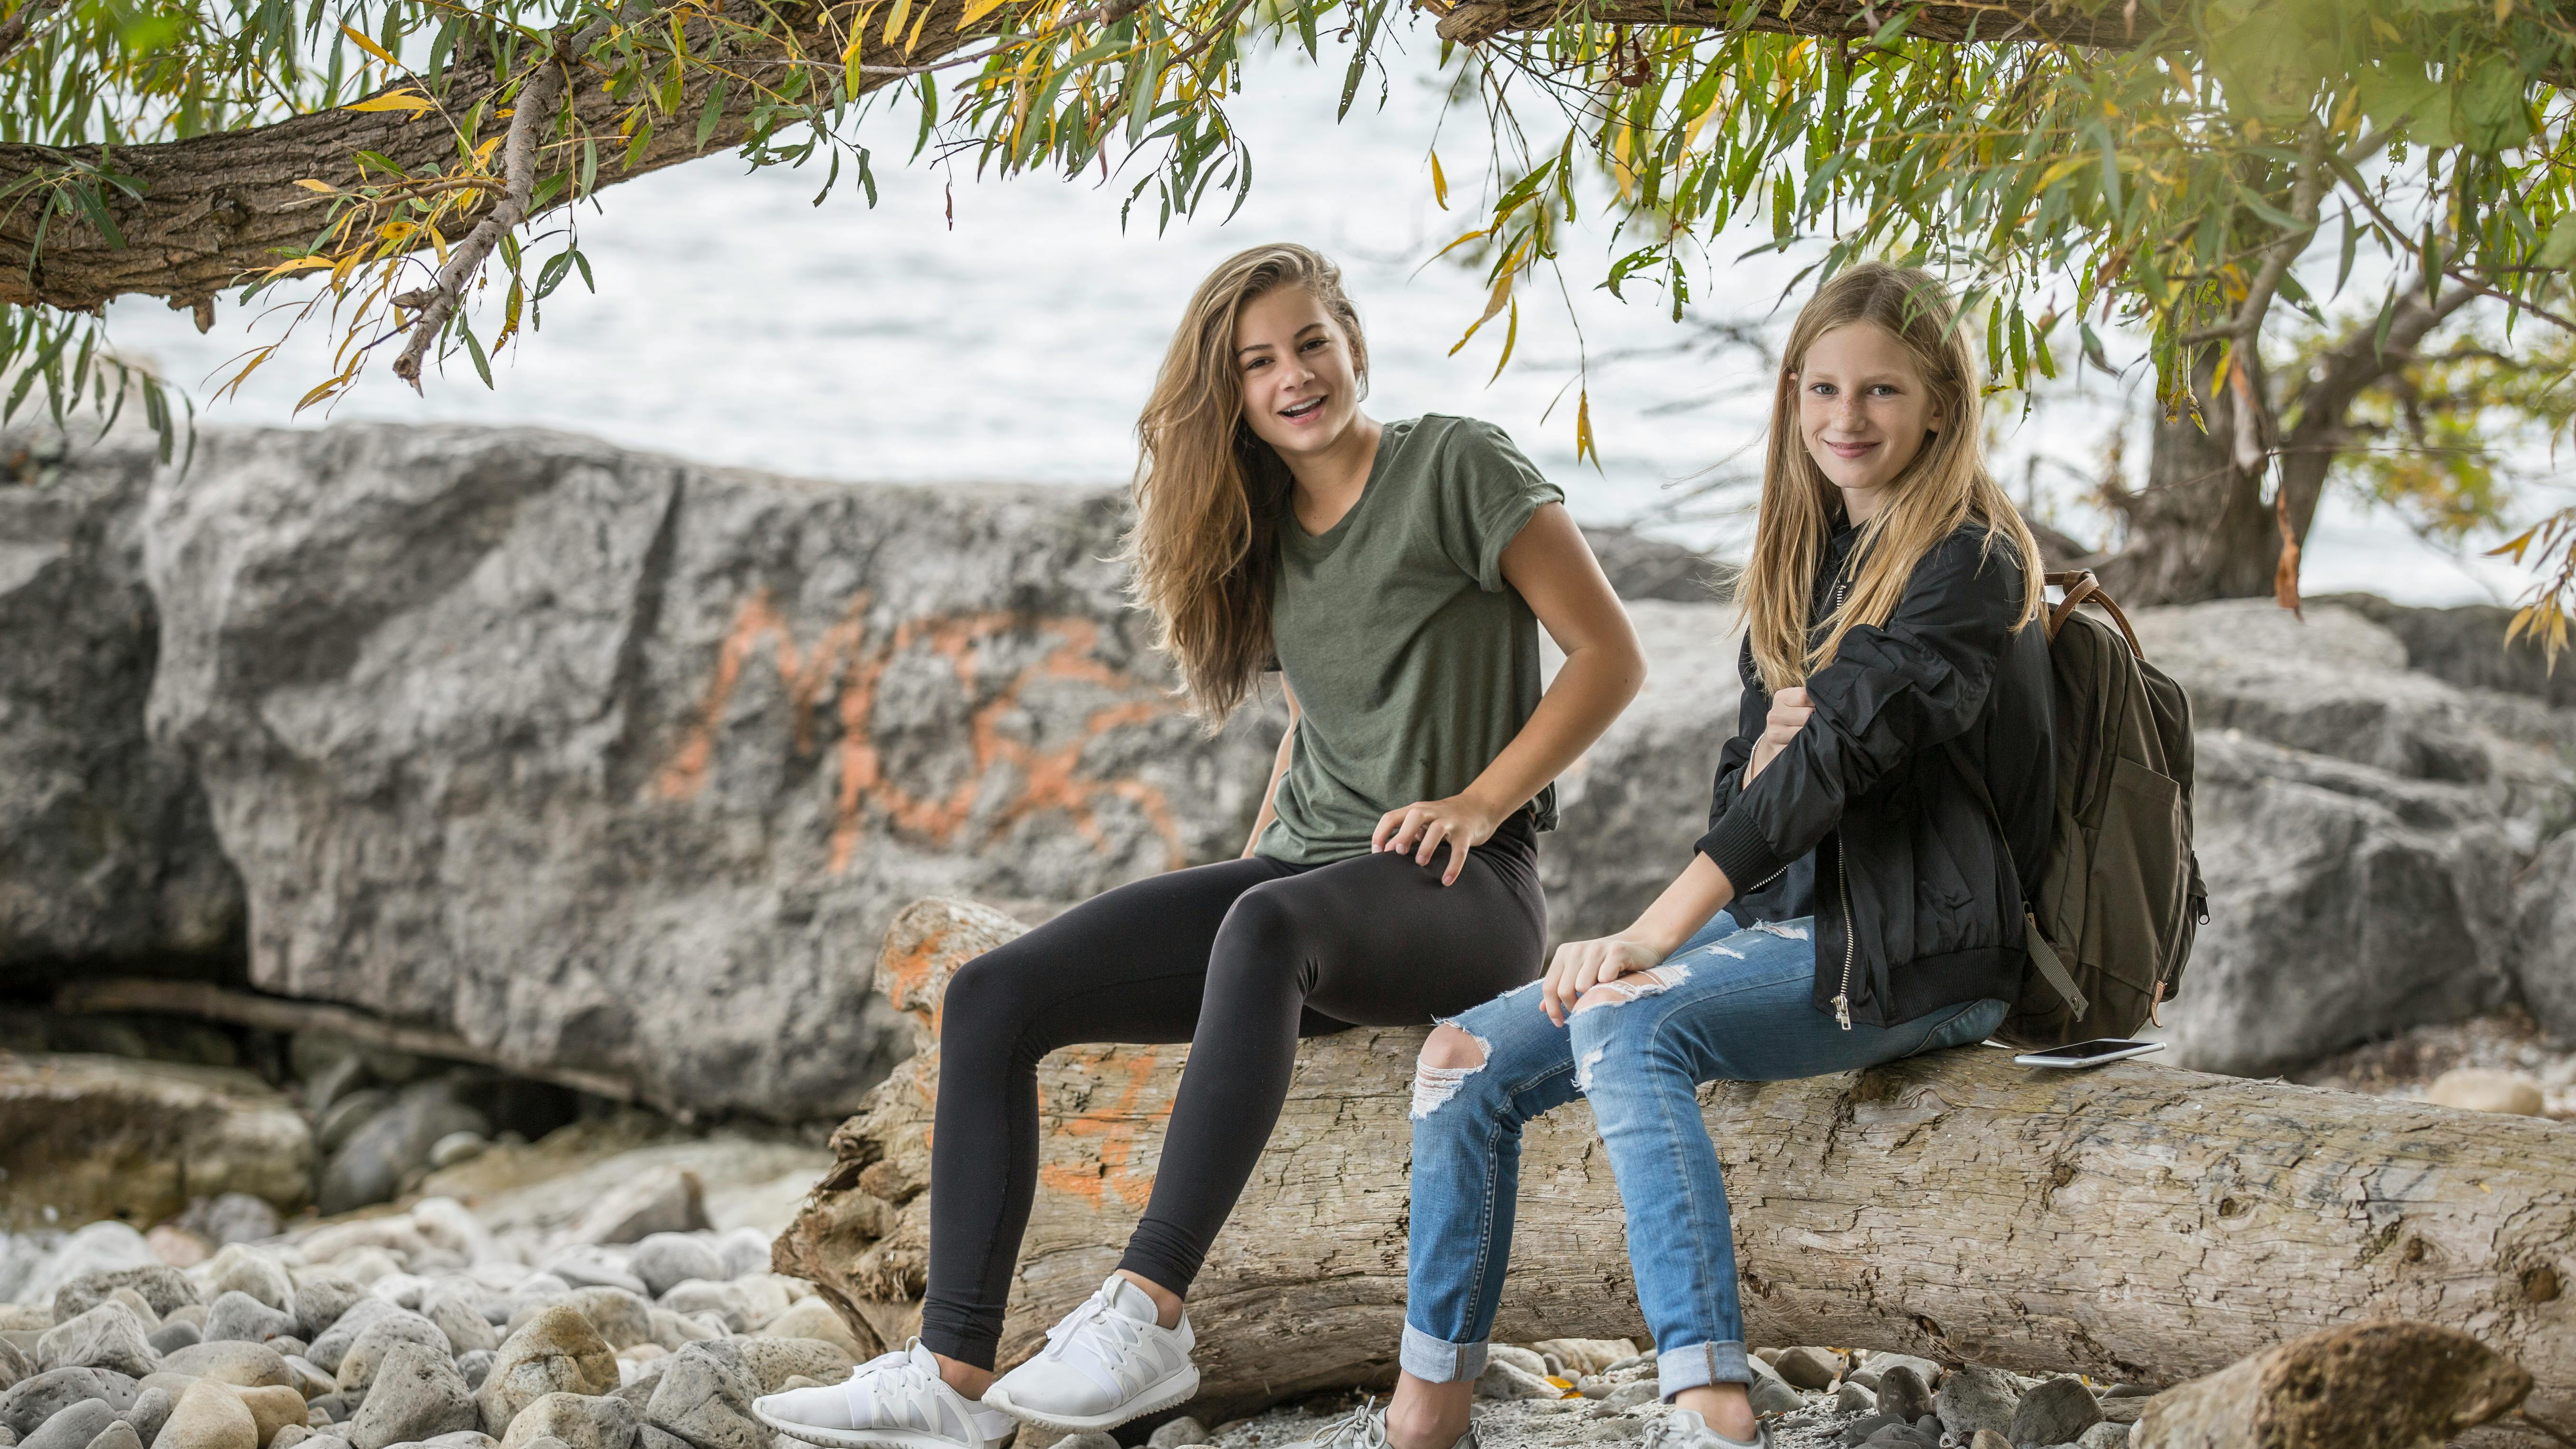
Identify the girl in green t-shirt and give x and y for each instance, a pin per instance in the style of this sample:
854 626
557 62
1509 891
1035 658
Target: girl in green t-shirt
1397 575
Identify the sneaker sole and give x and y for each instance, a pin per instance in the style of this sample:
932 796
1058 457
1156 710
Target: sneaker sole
1170 1393
867 1438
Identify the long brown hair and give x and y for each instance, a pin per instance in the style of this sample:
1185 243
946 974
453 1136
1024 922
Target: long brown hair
1204 551
1945 485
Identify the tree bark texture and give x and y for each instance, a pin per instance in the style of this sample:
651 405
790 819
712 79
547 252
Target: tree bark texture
2203 528
215 207
2134 1222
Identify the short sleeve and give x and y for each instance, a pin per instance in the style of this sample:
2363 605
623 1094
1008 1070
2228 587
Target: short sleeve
1488 490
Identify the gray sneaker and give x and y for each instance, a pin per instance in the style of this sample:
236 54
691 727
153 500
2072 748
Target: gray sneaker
1365 1428
1685 1429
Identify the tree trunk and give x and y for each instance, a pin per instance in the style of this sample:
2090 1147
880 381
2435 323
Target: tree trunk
2202 527
2134 1222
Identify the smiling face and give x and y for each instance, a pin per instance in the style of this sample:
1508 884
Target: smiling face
1300 374
1864 411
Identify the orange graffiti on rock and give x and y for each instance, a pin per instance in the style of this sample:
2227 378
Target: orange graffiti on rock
864 791
1113 1167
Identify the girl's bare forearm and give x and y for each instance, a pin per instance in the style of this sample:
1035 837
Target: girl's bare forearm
1699 892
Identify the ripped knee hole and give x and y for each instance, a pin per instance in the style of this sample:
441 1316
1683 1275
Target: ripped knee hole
1449 1058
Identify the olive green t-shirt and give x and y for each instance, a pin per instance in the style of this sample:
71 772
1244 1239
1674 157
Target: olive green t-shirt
1413 662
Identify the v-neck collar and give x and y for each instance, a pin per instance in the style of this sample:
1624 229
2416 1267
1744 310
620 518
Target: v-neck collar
1331 537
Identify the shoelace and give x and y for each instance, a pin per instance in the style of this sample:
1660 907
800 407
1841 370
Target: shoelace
1094 1321
1364 1429
894 1382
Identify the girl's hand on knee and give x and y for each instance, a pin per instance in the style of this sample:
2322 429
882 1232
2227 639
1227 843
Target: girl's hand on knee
1581 965
1420 828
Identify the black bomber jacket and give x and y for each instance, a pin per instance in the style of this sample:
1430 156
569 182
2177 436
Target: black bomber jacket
1865 821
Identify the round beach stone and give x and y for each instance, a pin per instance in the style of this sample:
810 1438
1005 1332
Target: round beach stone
814 1318
237 1315
209 1416
163 1287
151 1410
622 1318
172 1337
240 1269
1809 1368
109 1336
579 1421
557 1352
250 1365
73 1427
2056 1412
417 1395
321 1296
358 1366
1974 1398
463 1323
119 1435
666 1260
332 1344
28 1403
272 1408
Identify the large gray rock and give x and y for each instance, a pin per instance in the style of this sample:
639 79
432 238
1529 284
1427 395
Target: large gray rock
2345 904
2544 937
106 847
30 1402
1630 808
2340 685
162 1287
108 1137
381 1343
609 761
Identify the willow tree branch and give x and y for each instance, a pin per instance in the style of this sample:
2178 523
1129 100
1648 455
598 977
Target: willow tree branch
533 111
22 22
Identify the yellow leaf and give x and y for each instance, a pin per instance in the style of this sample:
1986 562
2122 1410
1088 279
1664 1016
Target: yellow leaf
977 10
2504 11
894 22
1510 336
370 47
319 393
1439 183
325 187
483 153
412 101
1583 442
1453 246
2063 169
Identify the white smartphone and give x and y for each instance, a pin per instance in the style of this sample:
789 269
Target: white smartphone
2089 1053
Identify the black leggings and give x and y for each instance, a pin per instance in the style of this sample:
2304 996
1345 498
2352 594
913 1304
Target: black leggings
1239 959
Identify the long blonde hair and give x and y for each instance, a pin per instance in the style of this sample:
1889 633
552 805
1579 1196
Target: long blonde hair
1204 551
1945 485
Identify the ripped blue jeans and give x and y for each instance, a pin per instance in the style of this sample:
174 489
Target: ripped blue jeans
1731 1005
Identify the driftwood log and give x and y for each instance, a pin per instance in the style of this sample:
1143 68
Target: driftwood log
2134 1222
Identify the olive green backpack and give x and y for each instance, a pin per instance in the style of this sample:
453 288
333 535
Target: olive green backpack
2111 925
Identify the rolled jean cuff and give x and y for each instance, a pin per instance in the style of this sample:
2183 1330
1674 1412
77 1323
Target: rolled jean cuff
1438 1361
1692 1366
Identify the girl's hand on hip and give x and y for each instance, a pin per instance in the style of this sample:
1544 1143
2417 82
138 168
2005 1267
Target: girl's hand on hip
1789 714
1421 827
1581 965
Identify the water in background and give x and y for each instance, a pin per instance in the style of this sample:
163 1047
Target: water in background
737 323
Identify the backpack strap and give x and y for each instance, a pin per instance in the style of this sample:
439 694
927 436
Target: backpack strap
2081 588
2042 955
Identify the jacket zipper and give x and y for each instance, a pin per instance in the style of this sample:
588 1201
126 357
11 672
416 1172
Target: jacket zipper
1842 884
1842 887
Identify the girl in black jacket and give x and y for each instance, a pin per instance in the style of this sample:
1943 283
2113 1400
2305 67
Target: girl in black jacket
1854 901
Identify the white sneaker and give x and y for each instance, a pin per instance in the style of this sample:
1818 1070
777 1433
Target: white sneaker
1685 1429
896 1398
1106 1363
1365 1428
